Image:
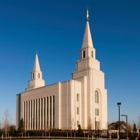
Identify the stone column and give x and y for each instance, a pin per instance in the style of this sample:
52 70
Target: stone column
35 114
48 112
51 111
30 115
40 114
43 114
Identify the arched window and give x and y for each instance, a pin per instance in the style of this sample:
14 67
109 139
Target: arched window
96 97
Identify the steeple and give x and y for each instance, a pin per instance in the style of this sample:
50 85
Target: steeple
87 50
87 40
36 76
88 61
36 63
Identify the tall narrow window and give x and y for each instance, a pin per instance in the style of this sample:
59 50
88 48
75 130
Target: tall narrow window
92 54
39 113
33 117
33 75
47 107
84 54
24 110
47 112
38 75
50 112
96 97
77 110
96 111
53 111
77 97
26 114
36 112
31 114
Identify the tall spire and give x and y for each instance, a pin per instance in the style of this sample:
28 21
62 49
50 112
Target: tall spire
36 63
36 80
87 40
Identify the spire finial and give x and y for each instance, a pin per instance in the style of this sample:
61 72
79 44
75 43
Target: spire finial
87 14
36 52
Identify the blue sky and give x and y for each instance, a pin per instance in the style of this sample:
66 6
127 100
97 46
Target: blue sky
55 28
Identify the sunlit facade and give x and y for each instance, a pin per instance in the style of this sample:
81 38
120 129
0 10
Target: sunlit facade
65 105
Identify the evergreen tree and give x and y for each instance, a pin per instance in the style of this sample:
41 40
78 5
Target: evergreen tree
79 128
134 128
21 126
12 129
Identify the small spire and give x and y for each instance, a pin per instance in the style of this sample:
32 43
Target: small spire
36 76
36 63
87 14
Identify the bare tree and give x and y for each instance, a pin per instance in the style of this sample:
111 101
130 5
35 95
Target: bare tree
45 127
72 124
0 125
90 126
6 123
138 125
49 129
26 125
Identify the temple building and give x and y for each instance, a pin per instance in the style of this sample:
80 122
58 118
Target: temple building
64 105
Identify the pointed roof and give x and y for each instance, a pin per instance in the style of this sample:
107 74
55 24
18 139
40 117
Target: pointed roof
87 40
36 63
123 126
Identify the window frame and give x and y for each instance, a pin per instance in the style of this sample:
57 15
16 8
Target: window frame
77 110
96 96
84 54
96 111
77 97
92 54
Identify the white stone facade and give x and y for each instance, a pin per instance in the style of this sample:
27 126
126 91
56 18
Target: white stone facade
63 105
